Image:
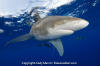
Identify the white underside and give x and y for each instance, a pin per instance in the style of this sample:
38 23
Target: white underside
55 33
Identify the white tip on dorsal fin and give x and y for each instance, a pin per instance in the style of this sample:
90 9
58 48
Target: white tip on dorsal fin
58 44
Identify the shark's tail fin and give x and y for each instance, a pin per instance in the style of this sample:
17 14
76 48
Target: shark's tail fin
19 39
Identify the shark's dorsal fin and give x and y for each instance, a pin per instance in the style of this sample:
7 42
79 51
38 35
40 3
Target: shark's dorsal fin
58 44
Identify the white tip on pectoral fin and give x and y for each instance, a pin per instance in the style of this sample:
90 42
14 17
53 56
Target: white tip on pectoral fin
58 44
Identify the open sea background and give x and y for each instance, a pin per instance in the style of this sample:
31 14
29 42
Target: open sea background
82 47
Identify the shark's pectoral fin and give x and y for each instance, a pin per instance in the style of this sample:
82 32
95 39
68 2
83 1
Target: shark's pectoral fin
19 39
58 44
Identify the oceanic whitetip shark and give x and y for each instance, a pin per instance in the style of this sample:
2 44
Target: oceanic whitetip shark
52 28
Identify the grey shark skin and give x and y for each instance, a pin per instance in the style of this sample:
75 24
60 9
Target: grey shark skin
52 28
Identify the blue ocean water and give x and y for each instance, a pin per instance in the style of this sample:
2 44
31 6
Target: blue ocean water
81 47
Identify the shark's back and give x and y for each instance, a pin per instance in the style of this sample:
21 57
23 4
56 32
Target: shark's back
51 21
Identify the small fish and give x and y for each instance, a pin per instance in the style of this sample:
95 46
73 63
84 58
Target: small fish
46 45
79 38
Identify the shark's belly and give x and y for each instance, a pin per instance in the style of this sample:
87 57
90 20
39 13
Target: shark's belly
57 33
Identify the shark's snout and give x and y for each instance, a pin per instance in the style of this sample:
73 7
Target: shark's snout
81 24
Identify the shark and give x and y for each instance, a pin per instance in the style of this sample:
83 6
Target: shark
51 29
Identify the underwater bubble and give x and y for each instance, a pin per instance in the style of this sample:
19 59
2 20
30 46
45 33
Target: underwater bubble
1 30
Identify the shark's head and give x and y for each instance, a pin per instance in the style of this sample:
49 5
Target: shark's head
73 24
78 24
